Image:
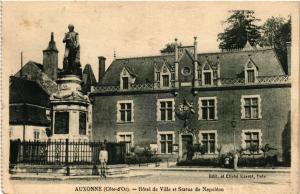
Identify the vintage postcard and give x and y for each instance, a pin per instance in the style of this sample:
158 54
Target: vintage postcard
150 97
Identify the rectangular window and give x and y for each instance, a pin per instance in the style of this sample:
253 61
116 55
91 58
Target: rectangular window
251 107
166 143
125 83
207 108
250 75
166 110
207 78
252 141
165 80
127 139
125 111
209 142
36 135
82 123
61 125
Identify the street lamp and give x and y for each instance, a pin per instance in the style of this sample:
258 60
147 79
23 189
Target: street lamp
233 125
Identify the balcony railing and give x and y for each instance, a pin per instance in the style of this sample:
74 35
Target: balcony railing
261 80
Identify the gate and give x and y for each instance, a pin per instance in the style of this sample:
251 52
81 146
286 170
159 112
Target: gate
14 149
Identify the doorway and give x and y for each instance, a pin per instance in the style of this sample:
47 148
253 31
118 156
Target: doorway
187 143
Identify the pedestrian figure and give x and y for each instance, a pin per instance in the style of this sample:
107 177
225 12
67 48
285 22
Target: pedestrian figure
235 161
103 157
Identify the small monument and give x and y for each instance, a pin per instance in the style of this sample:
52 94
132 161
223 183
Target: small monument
71 115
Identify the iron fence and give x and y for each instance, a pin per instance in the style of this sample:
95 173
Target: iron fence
64 152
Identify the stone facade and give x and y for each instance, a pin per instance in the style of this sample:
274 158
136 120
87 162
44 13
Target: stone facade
216 98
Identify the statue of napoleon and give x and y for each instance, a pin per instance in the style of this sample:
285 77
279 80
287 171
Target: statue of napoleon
71 64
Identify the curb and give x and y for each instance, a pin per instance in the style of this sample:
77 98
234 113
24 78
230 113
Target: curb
214 170
60 178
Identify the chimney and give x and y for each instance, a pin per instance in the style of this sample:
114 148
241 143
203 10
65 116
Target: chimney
101 69
195 48
50 59
176 50
176 64
288 48
196 82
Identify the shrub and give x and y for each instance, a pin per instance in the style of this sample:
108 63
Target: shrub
135 159
252 162
214 162
141 155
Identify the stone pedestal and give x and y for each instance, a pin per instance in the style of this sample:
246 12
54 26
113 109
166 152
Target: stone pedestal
70 109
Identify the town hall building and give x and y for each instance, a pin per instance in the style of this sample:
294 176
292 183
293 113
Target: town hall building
223 101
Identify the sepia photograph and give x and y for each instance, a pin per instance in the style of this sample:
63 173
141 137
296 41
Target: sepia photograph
150 97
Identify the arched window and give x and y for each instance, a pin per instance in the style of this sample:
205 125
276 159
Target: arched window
165 77
250 71
207 75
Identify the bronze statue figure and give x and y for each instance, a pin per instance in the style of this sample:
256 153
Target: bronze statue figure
71 63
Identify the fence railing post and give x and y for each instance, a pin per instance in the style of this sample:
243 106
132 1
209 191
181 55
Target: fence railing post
67 158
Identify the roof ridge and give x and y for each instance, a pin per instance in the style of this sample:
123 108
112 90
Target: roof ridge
149 56
236 51
203 53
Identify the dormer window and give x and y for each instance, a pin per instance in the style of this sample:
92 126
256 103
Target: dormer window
163 76
251 76
125 83
207 77
250 71
126 78
166 80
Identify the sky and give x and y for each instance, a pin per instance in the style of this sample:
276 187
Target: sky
128 28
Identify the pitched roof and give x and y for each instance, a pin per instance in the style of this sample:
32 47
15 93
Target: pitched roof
231 64
26 91
27 103
142 66
88 78
34 71
36 64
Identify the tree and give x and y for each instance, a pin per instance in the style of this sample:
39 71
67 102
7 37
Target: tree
240 28
169 48
276 32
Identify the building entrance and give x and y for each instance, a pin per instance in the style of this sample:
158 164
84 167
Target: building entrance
187 143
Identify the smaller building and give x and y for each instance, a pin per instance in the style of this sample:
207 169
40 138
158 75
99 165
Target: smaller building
29 110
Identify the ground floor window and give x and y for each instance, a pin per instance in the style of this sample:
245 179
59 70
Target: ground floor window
126 138
208 139
166 141
36 135
251 141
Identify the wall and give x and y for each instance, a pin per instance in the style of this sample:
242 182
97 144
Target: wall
275 103
16 132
